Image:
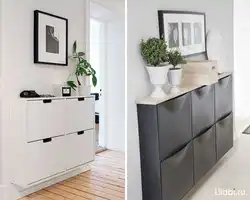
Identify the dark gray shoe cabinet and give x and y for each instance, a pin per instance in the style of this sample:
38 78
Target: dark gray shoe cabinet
182 138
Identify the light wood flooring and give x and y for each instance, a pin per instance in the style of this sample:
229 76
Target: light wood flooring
106 180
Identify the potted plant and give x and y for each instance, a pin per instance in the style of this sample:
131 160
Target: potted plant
84 70
175 60
154 53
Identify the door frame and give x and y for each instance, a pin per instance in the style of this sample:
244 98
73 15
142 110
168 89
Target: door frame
103 70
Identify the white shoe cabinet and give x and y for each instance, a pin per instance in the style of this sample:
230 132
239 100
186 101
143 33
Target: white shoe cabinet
55 136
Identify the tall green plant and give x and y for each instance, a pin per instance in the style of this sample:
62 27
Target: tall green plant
175 58
154 51
83 68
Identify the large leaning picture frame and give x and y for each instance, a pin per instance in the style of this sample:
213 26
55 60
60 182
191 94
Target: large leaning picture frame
50 39
183 30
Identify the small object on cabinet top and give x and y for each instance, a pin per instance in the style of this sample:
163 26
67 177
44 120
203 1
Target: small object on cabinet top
46 95
29 94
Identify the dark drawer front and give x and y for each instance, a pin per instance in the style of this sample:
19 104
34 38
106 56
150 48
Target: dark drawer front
224 136
204 153
177 174
223 97
174 123
202 109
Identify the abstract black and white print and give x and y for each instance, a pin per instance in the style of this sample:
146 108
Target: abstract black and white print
184 30
52 41
173 36
186 34
197 33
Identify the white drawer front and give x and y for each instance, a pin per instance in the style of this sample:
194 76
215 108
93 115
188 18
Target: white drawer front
80 148
80 114
45 120
45 159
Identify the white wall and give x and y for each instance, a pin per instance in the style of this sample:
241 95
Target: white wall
143 23
18 70
113 14
242 70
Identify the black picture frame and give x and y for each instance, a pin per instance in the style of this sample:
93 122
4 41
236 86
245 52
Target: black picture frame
162 31
65 94
36 39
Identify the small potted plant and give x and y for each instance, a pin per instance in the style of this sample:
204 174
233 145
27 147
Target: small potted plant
175 60
154 53
83 69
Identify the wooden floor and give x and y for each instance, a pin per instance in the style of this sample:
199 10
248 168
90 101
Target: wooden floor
104 181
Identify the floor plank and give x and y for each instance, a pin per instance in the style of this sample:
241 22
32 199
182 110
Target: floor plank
105 181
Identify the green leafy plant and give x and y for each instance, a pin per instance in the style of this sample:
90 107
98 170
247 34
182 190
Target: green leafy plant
154 51
83 68
175 58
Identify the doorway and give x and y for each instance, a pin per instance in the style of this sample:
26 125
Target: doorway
98 62
107 55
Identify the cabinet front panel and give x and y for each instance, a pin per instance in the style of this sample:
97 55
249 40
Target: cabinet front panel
80 114
224 136
204 153
45 119
202 109
177 174
174 124
44 159
80 148
223 97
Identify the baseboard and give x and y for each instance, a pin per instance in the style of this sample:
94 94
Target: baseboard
12 192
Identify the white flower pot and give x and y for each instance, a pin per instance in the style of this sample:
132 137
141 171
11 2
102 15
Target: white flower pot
85 80
174 77
158 77
84 90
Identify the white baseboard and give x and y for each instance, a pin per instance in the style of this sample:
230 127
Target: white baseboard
12 192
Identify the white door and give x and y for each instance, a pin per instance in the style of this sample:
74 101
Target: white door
98 62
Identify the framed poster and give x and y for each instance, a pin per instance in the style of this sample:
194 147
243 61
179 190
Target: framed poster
50 39
183 30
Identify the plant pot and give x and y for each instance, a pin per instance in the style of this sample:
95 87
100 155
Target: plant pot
174 77
84 90
85 80
158 77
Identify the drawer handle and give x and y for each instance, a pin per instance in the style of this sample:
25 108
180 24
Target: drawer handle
225 120
81 99
179 156
224 81
203 91
47 101
47 140
176 104
80 133
206 135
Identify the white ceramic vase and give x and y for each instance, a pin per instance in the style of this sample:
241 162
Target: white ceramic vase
84 90
158 77
174 77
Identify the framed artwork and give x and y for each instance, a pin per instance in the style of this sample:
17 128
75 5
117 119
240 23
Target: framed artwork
50 39
183 30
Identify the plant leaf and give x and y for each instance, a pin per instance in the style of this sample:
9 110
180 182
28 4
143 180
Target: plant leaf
74 47
81 53
94 80
72 84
